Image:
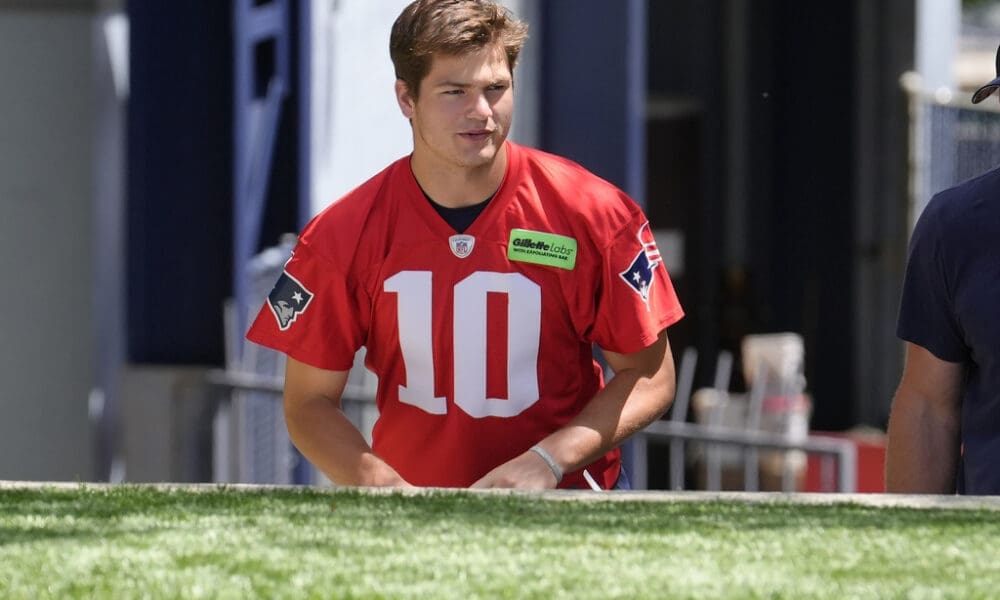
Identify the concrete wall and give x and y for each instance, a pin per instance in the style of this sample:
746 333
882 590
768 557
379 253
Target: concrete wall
46 187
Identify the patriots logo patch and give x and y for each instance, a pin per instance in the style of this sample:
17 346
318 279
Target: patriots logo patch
288 299
640 274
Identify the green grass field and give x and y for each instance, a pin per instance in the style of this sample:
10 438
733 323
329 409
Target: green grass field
153 542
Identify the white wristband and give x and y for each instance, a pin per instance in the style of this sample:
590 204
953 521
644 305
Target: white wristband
550 461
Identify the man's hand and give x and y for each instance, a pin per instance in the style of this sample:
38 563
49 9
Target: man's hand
527 471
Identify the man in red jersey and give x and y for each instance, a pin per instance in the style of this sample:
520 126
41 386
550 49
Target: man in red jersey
478 274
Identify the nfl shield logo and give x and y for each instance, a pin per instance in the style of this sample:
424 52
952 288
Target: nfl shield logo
461 245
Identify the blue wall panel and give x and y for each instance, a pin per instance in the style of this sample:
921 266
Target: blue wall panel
594 87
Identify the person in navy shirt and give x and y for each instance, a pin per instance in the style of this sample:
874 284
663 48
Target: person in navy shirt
944 429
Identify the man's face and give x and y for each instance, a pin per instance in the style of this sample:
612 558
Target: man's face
464 110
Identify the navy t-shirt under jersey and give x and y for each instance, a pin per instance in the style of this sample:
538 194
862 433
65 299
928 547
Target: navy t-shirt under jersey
951 306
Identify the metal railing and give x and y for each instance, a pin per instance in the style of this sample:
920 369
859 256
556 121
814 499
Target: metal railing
838 464
843 452
951 139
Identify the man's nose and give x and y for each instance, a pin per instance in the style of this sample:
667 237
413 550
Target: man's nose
480 108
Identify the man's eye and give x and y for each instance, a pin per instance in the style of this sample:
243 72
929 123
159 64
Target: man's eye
497 88
453 92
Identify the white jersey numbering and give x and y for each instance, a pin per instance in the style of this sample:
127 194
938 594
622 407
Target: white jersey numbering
414 301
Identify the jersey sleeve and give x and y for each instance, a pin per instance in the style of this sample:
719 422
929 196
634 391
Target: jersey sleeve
315 312
926 312
637 299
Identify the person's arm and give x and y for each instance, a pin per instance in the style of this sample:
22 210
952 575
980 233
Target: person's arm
638 394
923 446
321 431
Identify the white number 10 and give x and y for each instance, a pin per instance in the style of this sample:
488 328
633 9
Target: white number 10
524 307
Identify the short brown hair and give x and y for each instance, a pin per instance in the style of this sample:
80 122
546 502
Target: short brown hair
451 27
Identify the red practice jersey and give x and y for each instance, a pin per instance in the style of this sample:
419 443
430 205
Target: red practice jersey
482 341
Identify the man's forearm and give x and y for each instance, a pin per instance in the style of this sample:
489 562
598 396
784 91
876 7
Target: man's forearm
922 453
333 444
627 404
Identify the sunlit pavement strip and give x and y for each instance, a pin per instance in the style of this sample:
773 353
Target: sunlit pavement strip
873 500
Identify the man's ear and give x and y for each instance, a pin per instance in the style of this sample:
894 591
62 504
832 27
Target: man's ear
404 99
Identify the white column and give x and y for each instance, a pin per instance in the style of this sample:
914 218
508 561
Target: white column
938 28
357 128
